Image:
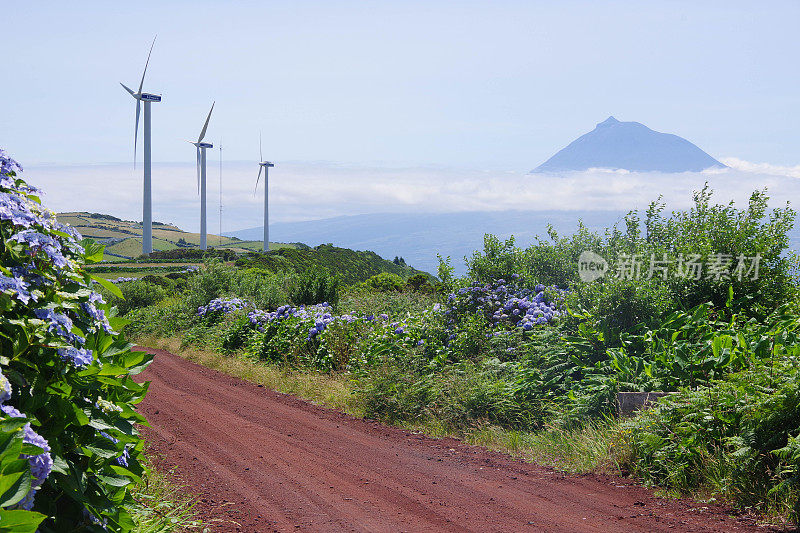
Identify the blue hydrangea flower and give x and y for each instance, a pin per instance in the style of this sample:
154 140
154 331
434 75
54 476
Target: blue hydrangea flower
5 389
8 165
122 459
16 209
59 323
222 305
18 287
40 242
40 464
79 357
97 315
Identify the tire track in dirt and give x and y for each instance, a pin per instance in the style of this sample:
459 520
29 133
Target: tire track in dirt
263 461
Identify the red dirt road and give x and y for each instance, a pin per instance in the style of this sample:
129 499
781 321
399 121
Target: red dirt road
263 461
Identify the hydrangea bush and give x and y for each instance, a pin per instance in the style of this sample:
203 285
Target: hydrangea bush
67 394
508 302
223 306
316 336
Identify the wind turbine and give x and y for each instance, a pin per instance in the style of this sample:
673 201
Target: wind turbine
147 207
265 166
201 177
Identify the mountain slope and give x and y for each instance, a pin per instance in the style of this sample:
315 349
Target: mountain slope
418 237
630 146
351 266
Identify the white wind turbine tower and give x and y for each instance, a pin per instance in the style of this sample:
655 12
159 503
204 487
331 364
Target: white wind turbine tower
147 207
265 166
201 177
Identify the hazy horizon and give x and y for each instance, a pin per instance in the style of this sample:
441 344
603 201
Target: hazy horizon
301 191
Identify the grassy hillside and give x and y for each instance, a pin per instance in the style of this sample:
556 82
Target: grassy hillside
123 238
352 266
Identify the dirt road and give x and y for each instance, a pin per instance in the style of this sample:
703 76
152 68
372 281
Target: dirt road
263 461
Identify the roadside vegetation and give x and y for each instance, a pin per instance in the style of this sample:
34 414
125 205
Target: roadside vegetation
523 355
71 458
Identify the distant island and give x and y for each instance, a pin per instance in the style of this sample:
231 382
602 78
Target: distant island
630 146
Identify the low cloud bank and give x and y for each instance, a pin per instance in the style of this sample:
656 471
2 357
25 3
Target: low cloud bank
307 191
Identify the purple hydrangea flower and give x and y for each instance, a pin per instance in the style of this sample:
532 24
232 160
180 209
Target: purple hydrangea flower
8 165
11 411
26 503
96 297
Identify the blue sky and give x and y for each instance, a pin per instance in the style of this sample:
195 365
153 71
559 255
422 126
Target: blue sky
498 85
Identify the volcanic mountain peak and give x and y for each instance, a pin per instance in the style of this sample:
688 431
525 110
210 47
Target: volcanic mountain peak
630 146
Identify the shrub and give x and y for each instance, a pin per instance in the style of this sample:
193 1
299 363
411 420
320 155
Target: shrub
393 393
704 232
165 318
314 287
263 289
66 390
135 294
386 282
213 281
737 438
619 305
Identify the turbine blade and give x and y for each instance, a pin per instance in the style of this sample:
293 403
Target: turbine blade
260 168
260 153
198 170
136 131
141 83
128 89
205 126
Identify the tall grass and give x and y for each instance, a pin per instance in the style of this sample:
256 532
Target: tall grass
599 446
331 390
162 506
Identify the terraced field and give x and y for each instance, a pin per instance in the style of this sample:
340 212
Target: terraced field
123 238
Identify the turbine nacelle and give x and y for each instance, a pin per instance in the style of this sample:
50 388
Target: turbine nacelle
266 164
201 144
138 95
149 97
